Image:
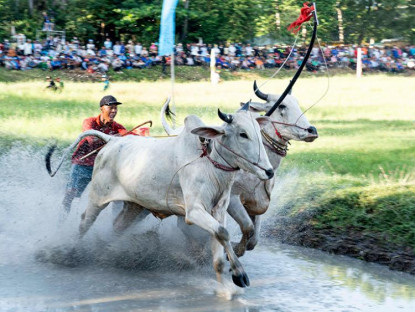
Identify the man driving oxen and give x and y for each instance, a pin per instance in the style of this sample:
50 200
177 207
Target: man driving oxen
84 157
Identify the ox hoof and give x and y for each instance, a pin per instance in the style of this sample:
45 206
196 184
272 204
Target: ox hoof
241 280
251 246
237 249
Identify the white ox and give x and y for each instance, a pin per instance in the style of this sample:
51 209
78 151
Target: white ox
250 197
169 177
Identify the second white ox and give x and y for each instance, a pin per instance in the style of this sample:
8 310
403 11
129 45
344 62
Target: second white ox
169 177
250 197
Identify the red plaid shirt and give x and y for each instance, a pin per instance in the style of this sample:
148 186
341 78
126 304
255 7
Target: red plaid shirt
91 143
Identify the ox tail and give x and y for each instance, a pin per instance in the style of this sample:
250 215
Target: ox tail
167 114
47 159
102 136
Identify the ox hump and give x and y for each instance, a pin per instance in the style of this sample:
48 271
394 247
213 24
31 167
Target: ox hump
191 122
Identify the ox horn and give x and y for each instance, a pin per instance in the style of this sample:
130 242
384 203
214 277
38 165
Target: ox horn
225 117
259 94
245 107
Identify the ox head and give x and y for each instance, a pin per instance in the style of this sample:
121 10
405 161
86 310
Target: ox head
239 142
287 114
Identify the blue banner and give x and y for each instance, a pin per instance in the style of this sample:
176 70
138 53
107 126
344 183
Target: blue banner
167 27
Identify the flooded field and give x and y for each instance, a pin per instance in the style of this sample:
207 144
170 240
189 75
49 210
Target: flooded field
43 267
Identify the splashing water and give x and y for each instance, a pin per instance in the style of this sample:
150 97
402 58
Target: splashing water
152 267
31 226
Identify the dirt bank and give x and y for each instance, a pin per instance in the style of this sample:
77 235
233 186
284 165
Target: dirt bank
370 248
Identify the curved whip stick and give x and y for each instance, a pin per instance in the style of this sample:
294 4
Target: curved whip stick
300 69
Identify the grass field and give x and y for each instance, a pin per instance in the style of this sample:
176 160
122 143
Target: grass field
363 123
366 126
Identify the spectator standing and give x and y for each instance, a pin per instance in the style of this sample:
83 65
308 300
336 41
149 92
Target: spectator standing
216 50
60 84
108 44
203 50
222 49
153 49
117 64
144 52
20 47
248 50
179 48
90 45
28 48
106 82
256 51
231 50
117 48
122 49
47 22
130 47
102 52
75 43
194 50
138 48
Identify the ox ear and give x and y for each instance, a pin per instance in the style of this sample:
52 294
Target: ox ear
208 132
256 107
263 120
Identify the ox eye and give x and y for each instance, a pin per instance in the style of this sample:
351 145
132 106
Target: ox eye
243 135
281 107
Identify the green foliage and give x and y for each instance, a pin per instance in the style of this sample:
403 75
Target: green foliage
213 21
388 210
345 204
382 19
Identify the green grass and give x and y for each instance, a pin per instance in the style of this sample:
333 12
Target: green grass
359 173
363 124
182 74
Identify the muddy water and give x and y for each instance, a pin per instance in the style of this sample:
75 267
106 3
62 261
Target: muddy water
43 267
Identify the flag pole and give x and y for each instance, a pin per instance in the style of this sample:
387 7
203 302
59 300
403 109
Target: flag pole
172 86
166 40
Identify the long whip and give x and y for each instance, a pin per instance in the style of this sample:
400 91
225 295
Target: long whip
129 132
300 69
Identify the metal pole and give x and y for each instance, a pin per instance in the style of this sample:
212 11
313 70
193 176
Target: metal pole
172 86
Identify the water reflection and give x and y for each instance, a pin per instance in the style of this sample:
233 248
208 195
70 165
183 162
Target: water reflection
376 282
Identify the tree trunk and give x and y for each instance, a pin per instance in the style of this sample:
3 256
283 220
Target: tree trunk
186 21
340 22
277 15
366 20
30 3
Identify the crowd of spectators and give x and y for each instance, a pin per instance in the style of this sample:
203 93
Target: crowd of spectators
54 54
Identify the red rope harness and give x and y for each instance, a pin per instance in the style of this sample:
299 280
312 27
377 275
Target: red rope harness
215 163
240 156
223 167
285 124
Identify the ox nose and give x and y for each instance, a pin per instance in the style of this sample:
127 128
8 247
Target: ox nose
312 130
270 173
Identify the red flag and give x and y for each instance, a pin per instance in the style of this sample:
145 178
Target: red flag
305 15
